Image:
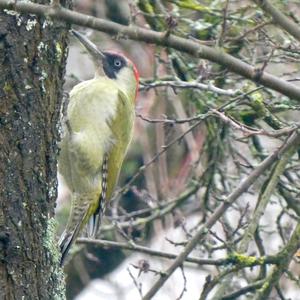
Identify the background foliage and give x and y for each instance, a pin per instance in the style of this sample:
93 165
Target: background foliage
208 202
200 131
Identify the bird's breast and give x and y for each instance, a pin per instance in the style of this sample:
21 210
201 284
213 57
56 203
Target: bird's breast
100 111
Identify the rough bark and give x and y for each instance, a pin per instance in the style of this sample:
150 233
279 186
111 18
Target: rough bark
33 54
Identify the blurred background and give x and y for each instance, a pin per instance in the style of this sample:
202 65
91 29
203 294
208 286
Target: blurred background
193 160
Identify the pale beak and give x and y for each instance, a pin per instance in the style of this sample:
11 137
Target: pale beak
92 49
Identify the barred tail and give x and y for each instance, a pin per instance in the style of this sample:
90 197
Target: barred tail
85 207
77 219
94 224
66 241
95 220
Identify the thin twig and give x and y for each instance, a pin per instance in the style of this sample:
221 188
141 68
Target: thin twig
249 131
172 121
188 85
249 288
242 187
279 18
264 198
149 36
126 187
137 285
162 254
184 289
285 256
157 212
255 28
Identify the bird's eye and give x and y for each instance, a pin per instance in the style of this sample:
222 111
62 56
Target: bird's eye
117 63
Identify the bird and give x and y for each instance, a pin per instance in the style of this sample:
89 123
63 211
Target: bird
97 131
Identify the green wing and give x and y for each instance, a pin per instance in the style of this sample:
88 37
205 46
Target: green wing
122 131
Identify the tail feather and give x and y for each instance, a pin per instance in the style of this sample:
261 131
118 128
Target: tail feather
75 224
67 241
82 206
94 224
95 220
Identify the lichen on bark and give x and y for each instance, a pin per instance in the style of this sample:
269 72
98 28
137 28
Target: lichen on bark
33 53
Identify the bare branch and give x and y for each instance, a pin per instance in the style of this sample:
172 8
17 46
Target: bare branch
172 121
164 148
158 212
279 18
263 200
252 131
137 285
133 247
188 85
184 289
244 290
242 187
159 38
162 254
285 257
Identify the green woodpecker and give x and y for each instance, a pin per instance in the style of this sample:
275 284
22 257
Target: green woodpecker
98 129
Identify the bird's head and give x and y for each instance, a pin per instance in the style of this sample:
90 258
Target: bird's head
113 65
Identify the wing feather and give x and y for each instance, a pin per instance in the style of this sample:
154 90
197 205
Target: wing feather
92 151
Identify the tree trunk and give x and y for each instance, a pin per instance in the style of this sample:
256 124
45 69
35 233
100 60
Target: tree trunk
33 54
